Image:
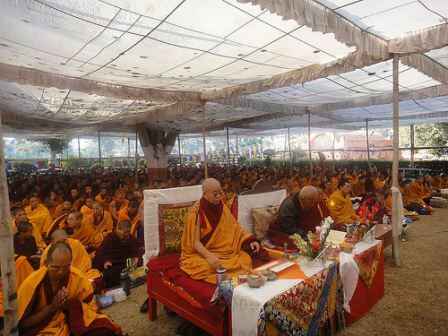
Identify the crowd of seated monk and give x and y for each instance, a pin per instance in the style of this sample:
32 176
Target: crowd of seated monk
93 223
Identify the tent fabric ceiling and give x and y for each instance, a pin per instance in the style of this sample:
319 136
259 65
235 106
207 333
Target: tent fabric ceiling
183 64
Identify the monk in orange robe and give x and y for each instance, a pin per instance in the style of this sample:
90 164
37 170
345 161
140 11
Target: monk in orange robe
53 201
341 207
80 258
58 300
38 215
23 270
412 198
131 213
20 216
117 204
101 198
101 220
213 239
61 220
81 229
418 190
87 208
63 209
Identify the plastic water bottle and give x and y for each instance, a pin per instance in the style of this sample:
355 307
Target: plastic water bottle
125 281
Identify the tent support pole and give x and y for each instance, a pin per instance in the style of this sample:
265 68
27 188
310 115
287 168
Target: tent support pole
204 148
334 146
309 143
289 148
367 142
136 150
79 148
396 220
129 148
412 145
100 161
8 265
228 147
237 147
179 149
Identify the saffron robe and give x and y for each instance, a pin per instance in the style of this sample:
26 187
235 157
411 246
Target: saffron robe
33 297
36 234
225 241
87 235
23 270
40 217
86 211
80 259
341 209
102 226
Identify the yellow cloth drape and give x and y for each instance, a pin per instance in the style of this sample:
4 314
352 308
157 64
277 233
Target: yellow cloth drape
80 259
225 243
23 270
87 234
104 227
40 217
79 288
86 211
341 208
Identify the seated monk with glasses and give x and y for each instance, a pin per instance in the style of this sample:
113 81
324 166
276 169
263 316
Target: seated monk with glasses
213 239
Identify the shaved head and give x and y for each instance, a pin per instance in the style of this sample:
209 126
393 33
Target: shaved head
212 191
309 192
58 235
308 197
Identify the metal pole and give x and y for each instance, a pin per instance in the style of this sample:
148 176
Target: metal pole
136 149
289 147
180 152
79 148
412 146
396 220
334 145
284 149
228 146
99 149
204 151
367 142
237 147
129 148
309 143
7 263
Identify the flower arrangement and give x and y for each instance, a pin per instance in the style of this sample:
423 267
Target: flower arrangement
315 242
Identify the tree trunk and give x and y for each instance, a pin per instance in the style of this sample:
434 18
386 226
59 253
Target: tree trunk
8 266
53 157
157 145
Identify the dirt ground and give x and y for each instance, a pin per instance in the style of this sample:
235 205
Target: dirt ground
415 301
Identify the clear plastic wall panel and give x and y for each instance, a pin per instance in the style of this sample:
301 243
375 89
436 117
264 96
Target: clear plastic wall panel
114 147
72 150
440 55
23 149
435 103
405 136
393 18
89 147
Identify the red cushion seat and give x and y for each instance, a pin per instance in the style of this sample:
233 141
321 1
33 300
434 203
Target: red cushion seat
168 266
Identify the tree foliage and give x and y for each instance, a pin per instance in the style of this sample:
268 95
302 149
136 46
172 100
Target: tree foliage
433 135
56 145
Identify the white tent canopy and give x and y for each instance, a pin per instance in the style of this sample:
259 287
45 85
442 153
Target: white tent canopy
259 64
